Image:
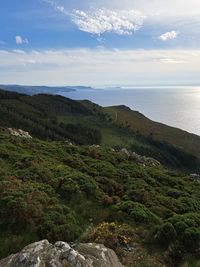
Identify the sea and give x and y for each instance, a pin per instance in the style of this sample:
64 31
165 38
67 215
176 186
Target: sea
175 106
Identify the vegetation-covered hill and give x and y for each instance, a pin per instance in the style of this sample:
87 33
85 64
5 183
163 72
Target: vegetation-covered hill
158 131
58 191
72 182
52 117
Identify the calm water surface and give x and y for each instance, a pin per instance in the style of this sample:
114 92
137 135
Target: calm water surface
178 107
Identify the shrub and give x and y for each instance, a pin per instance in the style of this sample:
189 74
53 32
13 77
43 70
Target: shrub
138 212
190 219
112 235
59 224
180 227
191 239
165 234
107 201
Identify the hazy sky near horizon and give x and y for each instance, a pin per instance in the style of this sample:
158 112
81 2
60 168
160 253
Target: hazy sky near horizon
99 42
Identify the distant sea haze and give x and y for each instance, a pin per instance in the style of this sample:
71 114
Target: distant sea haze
178 106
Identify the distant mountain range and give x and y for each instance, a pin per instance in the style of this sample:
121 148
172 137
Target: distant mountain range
32 90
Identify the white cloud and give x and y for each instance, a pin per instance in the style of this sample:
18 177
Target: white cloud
98 17
18 51
172 8
169 36
172 61
97 66
20 40
57 7
159 7
99 21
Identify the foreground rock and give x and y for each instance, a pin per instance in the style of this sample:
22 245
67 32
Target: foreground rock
43 254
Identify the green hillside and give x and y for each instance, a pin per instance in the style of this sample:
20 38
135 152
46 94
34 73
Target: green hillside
73 181
53 190
52 117
158 131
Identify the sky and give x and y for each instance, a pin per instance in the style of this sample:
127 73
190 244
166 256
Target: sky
99 42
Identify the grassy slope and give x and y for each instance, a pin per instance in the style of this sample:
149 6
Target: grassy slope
138 122
52 190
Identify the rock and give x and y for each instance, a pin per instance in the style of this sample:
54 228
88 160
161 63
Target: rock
69 143
44 254
145 160
140 159
125 152
136 156
99 255
19 132
151 161
195 177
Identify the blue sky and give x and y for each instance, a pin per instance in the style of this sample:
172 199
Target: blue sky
97 42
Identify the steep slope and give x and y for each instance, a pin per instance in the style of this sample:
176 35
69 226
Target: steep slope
158 131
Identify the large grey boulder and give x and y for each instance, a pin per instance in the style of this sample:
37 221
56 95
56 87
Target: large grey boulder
44 254
99 255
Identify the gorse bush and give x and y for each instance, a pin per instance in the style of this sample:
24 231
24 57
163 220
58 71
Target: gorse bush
112 235
60 223
165 234
137 212
181 233
191 239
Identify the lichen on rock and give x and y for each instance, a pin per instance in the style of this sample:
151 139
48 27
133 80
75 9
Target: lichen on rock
43 253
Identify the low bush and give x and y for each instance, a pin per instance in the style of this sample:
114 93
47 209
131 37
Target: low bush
138 212
165 234
112 235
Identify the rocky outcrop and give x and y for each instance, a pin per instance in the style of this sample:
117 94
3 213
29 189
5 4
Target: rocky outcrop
125 152
99 255
140 159
19 132
44 254
145 160
195 177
